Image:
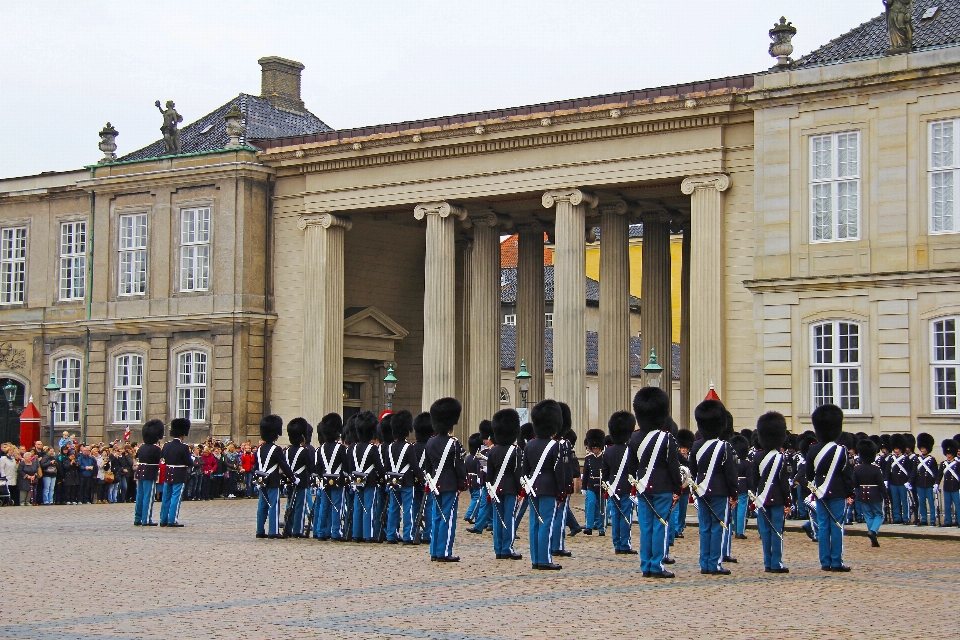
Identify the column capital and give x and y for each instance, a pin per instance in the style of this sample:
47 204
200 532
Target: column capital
720 182
653 213
442 209
484 219
573 196
618 207
325 220
531 227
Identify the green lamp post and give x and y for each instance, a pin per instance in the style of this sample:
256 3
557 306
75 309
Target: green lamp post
523 381
390 386
53 396
653 371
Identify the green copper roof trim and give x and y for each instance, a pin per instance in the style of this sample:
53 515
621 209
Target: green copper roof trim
94 167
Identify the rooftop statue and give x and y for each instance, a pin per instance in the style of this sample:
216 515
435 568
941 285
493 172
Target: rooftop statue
171 135
899 25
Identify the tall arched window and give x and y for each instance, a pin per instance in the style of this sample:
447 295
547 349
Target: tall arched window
945 364
192 385
836 365
67 372
128 388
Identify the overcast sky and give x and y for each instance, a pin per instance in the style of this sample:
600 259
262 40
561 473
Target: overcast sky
69 67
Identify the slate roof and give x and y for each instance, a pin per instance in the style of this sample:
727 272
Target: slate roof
508 352
263 120
870 39
635 231
508 287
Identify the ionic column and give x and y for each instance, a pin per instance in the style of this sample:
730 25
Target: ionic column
614 336
484 318
439 301
656 317
686 417
706 283
322 379
570 301
530 307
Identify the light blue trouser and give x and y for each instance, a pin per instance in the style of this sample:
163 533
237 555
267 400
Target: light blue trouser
474 504
622 521
951 507
654 535
299 498
143 512
743 500
680 513
427 512
899 503
364 511
327 520
484 512
591 507
400 501
444 527
772 544
523 510
927 510
504 530
541 534
726 544
830 536
170 504
872 514
558 537
49 483
798 500
711 532
268 512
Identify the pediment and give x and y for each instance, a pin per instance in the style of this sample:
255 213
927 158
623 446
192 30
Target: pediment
373 323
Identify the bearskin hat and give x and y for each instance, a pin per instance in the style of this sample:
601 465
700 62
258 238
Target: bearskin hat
445 414
847 440
423 427
366 426
486 429
651 406
297 430
791 442
875 439
401 425
271 428
506 426
567 417
771 430
925 441
384 432
180 428
152 431
330 427
685 438
861 436
885 441
755 440
526 432
897 441
672 426
911 441
956 438
741 446
803 444
747 433
867 451
711 419
949 446
827 422
621 426
570 436
474 442
607 440
547 418
593 439
728 431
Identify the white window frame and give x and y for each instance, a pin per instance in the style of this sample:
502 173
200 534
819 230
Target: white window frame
510 319
504 395
68 372
192 385
195 235
548 321
128 388
13 264
73 260
830 364
838 178
132 254
943 177
945 364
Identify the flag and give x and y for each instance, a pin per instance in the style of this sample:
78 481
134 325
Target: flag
126 433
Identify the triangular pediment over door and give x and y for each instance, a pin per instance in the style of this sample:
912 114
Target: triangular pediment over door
369 334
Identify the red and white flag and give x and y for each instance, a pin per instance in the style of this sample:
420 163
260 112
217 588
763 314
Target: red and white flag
126 433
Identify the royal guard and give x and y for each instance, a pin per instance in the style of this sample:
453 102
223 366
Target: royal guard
446 476
329 466
770 483
503 481
148 468
544 482
271 463
300 460
177 462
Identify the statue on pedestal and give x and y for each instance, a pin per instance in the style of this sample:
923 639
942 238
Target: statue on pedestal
171 135
899 25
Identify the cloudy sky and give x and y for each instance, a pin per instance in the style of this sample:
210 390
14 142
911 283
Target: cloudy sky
69 67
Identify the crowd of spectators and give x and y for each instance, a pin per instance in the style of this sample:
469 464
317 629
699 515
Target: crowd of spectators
75 473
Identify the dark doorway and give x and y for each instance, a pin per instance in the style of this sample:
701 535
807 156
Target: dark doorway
10 415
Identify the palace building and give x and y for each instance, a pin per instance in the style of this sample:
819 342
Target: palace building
278 265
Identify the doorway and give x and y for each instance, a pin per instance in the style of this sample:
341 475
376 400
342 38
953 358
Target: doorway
10 414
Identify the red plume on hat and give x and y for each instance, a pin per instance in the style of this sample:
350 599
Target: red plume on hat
712 394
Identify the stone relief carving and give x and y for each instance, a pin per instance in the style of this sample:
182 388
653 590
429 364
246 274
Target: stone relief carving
10 358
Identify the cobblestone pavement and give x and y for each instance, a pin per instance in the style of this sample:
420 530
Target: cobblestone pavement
103 578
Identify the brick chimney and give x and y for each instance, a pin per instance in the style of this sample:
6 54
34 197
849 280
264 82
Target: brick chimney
280 82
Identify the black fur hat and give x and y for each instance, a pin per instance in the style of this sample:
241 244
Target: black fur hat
567 417
331 427
740 445
685 438
925 441
384 432
486 429
445 414
885 441
593 439
350 430
547 418
747 433
423 427
711 418
771 430
506 426
861 436
956 438
401 425
867 451
911 441
828 422
949 446
847 440
607 440
474 442
803 444
875 439
791 442
526 432
153 431
897 441
366 426
297 430
180 428
570 436
651 406
728 431
271 428
672 426
755 440
621 426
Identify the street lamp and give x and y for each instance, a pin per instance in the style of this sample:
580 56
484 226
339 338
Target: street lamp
390 386
653 371
523 381
53 396
10 394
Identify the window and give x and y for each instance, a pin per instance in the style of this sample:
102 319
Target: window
510 319
192 385
133 255
73 260
13 264
504 396
946 364
67 372
943 177
548 320
195 249
128 389
836 365
835 187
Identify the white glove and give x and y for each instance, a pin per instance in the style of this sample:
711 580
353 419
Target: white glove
936 488
296 480
583 491
886 483
908 486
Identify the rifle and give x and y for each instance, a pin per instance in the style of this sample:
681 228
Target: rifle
763 512
636 484
605 489
346 515
822 503
432 488
530 492
382 523
288 512
936 505
418 522
695 492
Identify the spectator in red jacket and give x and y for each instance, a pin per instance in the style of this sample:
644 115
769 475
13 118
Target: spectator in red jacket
209 466
247 461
